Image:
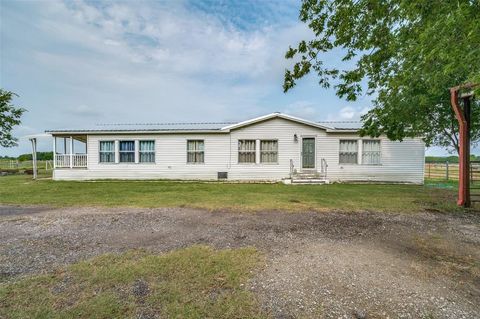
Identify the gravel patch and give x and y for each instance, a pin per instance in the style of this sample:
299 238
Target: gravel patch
322 265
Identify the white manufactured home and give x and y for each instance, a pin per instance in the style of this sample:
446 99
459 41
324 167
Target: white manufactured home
273 147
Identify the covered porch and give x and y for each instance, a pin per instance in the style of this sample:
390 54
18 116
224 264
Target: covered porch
70 151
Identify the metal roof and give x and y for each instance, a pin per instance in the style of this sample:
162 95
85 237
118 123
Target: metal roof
343 125
220 127
149 127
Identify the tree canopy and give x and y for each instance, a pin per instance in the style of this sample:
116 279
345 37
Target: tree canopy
404 54
9 117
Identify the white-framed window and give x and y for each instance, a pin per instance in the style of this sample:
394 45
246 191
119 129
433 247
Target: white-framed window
348 152
127 151
246 151
107 152
268 151
195 151
146 152
371 152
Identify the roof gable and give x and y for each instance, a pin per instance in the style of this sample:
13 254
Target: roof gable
272 116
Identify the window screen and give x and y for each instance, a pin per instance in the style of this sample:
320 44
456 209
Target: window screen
107 152
147 152
348 152
195 151
371 152
127 151
269 151
246 151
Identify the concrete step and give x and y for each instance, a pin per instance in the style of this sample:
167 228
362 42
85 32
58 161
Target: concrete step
309 181
308 175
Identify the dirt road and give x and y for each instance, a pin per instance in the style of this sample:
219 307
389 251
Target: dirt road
325 265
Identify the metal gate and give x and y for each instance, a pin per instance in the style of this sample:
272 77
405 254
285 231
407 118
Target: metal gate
475 181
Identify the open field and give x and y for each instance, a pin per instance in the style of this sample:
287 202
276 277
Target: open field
147 264
22 190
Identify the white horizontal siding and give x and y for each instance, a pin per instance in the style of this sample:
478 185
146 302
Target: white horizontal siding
170 159
401 161
274 129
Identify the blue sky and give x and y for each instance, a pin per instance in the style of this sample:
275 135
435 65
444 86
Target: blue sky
79 63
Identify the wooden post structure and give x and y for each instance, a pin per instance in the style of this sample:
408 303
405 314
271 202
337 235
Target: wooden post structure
34 157
446 171
463 118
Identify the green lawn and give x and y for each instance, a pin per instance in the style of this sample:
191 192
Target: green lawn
20 189
196 282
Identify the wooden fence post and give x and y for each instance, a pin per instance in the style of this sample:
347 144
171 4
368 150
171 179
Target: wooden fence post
471 173
446 171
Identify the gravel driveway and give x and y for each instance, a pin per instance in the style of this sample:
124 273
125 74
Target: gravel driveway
326 265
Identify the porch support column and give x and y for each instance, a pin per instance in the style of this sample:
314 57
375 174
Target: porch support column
117 154
71 152
257 151
137 150
359 152
54 152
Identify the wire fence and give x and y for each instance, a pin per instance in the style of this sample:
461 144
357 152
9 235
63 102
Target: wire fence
25 165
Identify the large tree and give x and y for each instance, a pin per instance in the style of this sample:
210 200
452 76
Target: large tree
405 54
9 117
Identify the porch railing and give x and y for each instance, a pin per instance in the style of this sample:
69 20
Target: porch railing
70 160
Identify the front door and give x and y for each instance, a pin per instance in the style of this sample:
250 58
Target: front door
308 152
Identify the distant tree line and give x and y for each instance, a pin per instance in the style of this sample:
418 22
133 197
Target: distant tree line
450 159
41 156
7 157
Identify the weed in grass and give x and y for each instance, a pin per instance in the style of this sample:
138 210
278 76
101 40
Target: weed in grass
195 282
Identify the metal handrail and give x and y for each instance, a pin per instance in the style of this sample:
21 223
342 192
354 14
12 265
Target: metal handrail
291 168
324 167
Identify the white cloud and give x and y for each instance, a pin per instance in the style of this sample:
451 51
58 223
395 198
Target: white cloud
348 113
170 40
303 109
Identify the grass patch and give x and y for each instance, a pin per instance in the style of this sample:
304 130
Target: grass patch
454 259
196 282
347 197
